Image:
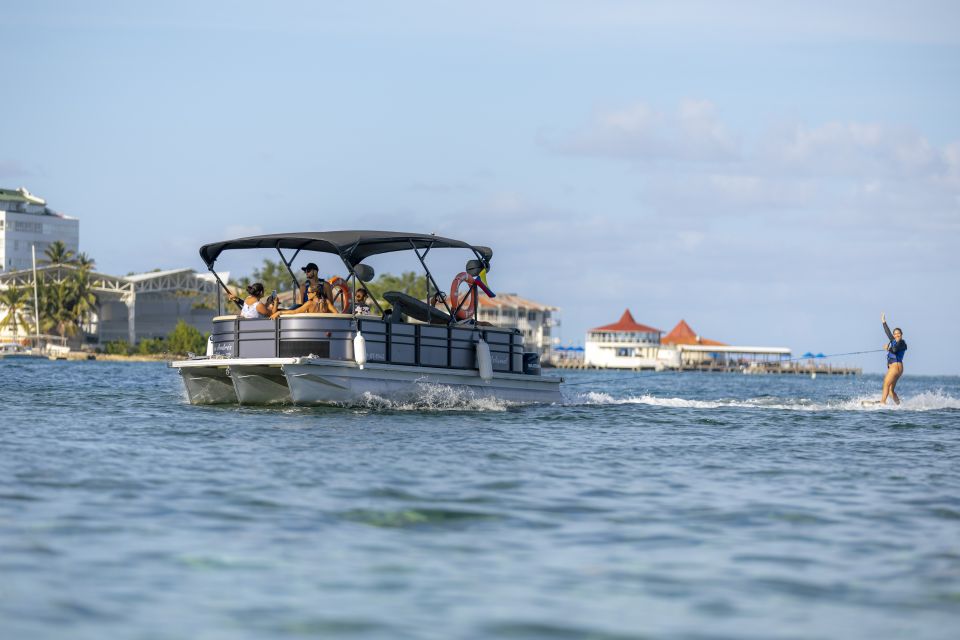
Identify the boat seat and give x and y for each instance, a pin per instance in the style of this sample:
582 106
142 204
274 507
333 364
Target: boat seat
416 309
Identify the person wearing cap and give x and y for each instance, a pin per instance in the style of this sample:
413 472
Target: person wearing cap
311 270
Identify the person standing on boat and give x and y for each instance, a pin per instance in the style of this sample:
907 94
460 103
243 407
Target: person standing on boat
311 270
895 350
254 307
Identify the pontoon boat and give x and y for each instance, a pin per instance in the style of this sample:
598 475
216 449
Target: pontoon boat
349 358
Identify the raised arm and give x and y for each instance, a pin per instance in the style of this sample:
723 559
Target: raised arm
883 319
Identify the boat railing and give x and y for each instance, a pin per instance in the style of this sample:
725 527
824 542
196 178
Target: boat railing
327 335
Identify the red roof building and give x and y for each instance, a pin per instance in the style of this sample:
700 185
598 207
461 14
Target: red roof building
626 323
683 334
625 344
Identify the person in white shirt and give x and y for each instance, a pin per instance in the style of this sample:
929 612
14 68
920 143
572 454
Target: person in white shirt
254 306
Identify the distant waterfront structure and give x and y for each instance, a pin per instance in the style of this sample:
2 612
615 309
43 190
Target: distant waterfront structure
625 344
133 307
25 221
683 347
571 353
535 320
628 344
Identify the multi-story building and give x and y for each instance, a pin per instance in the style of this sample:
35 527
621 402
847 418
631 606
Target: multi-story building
534 320
25 221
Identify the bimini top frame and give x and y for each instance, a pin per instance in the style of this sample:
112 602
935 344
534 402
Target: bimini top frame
351 246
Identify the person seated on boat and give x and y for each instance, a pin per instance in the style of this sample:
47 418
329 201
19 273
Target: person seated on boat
361 302
311 271
315 303
254 306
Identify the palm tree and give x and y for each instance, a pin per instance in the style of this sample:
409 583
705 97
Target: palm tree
58 308
83 301
83 260
57 253
15 300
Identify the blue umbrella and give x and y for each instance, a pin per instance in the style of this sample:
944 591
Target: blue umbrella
808 355
820 355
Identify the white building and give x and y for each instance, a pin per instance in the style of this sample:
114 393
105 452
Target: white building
684 347
535 320
625 344
25 220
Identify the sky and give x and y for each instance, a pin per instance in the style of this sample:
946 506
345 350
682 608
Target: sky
774 173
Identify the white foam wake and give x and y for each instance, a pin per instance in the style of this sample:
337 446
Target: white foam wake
434 397
926 401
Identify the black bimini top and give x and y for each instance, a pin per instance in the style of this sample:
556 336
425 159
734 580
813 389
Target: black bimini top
352 246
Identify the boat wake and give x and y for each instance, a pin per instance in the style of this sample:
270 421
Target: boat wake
434 397
926 401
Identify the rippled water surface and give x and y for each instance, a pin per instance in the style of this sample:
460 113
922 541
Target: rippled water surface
648 505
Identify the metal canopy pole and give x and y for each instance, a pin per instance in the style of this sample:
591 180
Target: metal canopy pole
356 279
429 275
296 285
220 282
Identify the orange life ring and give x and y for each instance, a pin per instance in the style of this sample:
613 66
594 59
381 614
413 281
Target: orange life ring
470 297
340 293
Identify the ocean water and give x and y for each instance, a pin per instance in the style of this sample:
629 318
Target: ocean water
646 506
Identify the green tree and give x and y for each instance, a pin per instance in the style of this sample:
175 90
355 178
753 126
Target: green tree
16 301
186 339
67 304
57 253
83 260
83 300
56 308
408 282
150 346
273 275
117 347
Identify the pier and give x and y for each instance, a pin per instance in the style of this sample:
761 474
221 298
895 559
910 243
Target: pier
756 368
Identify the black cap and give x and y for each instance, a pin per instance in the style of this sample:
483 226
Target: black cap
310 267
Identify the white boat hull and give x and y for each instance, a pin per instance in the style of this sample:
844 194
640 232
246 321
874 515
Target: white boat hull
319 381
208 385
332 382
259 384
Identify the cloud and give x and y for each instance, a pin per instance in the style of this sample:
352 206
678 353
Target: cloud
854 149
13 169
242 231
951 161
691 165
441 188
715 194
692 132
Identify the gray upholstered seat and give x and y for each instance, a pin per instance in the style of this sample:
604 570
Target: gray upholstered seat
417 309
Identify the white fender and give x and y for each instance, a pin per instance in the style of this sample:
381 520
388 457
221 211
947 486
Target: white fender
484 361
210 345
360 349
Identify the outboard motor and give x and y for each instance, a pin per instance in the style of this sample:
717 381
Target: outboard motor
531 363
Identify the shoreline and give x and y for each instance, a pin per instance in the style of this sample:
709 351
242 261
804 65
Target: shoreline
110 357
